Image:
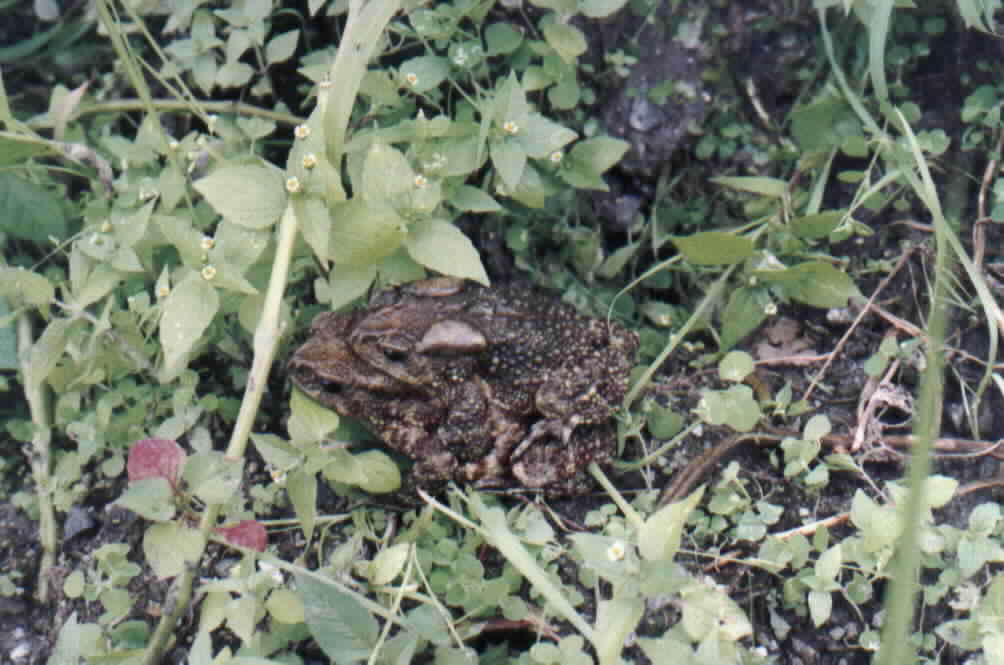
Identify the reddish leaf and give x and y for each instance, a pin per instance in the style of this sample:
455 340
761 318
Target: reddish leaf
249 533
156 458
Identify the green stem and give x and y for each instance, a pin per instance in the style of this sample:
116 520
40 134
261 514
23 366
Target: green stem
236 108
37 394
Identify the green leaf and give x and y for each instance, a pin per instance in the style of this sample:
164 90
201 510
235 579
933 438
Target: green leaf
509 159
248 195
501 39
600 8
302 489
363 232
151 498
817 427
281 47
734 407
533 189
388 563
815 283
386 175
820 606
212 476
713 248
828 565
169 546
423 73
277 452
509 104
309 422
589 159
345 284
819 225
659 538
46 351
342 627
566 39
616 619
540 137
187 311
233 74
771 187
16 149
315 222
735 366
285 606
30 212
442 247
744 312
19 285
373 471
472 199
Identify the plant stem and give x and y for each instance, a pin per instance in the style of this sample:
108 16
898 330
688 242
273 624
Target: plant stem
37 394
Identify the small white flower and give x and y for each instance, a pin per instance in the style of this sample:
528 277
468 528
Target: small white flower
556 157
309 161
301 131
616 551
770 309
510 127
293 185
420 181
411 78
208 273
206 243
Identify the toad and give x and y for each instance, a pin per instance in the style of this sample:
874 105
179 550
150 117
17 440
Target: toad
493 386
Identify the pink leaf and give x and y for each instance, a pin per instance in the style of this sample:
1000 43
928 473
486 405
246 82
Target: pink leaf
249 533
152 458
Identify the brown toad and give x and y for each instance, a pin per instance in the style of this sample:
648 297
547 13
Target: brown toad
475 384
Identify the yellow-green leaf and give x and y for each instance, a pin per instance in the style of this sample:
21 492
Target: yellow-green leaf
442 247
363 232
713 248
771 187
247 194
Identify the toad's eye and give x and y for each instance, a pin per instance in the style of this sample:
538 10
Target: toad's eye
395 355
330 387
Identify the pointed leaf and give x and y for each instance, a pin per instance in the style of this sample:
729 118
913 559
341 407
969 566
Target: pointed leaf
509 160
423 73
188 310
442 247
20 285
815 283
29 211
713 248
363 232
771 187
169 546
659 538
249 195
343 628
